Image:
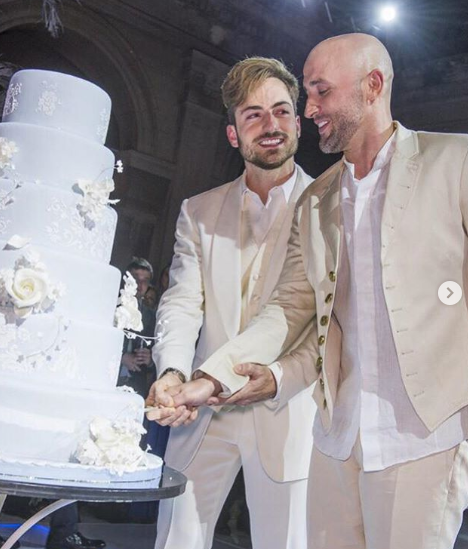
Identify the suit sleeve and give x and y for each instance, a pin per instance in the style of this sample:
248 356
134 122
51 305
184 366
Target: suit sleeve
464 193
181 309
275 329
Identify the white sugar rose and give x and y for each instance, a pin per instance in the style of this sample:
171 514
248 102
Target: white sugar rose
113 445
7 150
28 289
95 198
128 316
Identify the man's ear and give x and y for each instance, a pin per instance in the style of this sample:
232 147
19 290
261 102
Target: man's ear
375 84
231 133
298 126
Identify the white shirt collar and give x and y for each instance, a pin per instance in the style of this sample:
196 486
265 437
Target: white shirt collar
287 187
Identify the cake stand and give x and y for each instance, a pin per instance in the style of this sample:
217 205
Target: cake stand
172 484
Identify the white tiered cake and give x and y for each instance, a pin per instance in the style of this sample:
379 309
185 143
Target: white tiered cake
59 350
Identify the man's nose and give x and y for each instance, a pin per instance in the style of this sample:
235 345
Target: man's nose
270 122
311 109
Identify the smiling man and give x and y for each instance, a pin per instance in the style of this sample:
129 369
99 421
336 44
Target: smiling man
230 248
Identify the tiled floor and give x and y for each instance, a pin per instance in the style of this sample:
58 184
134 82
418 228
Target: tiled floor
136 536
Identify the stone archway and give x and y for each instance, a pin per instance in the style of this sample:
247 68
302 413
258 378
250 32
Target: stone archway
102 55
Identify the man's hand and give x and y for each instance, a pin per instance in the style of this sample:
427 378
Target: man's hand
143 356
129 360
158 394
196 392
261 386
165 411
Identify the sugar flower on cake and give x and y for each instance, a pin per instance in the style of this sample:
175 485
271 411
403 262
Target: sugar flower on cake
95 198
27 287
7 150
127 314
114 445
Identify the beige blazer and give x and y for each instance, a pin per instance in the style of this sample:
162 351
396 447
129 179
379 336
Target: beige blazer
424 243
203 303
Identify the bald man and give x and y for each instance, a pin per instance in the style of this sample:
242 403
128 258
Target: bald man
373 239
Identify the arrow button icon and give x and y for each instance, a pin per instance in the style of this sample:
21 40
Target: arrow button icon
450 293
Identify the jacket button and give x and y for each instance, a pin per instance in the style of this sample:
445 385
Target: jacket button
324 320
329 298
318 364
321 340
332 276
322 384
324 403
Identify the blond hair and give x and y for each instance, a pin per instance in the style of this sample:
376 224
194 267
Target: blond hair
246 75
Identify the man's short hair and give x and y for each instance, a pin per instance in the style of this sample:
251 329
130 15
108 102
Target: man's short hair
246 75
140 263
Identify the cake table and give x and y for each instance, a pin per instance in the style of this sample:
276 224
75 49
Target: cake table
172 484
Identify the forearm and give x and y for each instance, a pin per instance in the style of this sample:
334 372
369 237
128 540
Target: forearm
271 333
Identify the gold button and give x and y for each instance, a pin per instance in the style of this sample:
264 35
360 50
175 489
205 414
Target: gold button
322 384
324 320
321 340
318 364
324 403
332 276
329 298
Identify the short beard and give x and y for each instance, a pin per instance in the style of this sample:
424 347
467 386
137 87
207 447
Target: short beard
345 123
269 159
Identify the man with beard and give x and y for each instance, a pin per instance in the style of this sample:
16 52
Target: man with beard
374 240
230 247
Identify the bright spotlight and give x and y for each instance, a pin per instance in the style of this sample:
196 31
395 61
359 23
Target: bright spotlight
388 14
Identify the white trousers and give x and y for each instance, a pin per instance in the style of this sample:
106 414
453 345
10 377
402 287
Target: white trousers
277 509
414 505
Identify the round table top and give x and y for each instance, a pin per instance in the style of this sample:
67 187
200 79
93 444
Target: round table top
172 484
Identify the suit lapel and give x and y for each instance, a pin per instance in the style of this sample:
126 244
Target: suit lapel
279 251
402 177
330 213
226 259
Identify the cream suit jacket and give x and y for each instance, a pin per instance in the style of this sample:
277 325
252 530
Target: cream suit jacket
204 301
424 243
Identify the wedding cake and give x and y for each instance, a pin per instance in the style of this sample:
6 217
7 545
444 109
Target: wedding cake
60 411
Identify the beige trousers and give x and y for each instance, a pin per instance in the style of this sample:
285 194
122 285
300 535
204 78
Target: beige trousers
414 505
277 509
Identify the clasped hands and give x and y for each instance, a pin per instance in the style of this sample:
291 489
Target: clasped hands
176 403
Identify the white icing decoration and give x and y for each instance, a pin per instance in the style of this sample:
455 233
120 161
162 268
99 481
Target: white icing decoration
4 225
48 100
95 199
66 228
127 314
115 445
16 242
56 357
7 150
11 101
101 130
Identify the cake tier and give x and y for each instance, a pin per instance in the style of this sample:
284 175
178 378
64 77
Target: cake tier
53 218
74 474
59 101
39 422
55 157
90 289
48 349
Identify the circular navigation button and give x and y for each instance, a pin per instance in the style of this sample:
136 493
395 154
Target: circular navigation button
450 293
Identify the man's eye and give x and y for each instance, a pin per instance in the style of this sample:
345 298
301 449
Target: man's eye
323 92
